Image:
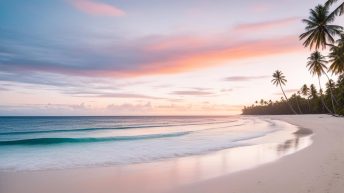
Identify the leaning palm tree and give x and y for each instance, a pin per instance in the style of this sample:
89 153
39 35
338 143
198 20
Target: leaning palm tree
338 11
279 80
330 85
336 57
316 66
305 91
294 98
319 31
331 89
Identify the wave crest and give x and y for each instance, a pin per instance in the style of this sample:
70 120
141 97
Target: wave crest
50 141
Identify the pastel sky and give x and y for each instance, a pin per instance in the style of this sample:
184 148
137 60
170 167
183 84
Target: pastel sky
147 57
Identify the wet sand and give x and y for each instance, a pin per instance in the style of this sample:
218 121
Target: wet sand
316 169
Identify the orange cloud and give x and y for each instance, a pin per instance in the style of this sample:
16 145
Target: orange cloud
97 8
215 57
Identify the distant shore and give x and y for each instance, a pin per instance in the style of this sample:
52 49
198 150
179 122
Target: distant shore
316 168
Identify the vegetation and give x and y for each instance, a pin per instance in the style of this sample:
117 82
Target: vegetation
320 33
310 101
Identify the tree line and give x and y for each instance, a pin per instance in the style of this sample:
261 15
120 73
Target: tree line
308 100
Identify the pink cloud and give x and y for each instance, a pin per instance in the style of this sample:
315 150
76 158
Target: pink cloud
249 27
211 57
171 63
97 8
154 55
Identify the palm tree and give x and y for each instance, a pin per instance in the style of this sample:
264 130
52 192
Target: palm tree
297 101
338 11
313 92
294 99
333 98
279 80
319 32
336 57
305 91
330 85
316 66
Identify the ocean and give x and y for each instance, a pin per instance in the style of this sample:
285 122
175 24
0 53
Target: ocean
42 143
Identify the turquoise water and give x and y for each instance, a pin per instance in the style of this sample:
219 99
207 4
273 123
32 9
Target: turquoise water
38 143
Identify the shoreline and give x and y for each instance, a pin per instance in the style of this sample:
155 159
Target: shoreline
316 169
271 134
299 132
107 179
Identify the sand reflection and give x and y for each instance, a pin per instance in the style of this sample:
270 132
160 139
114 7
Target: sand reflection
215 164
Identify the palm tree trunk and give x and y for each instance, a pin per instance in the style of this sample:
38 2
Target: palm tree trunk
322 98
298 105
332 96
309 105
292 109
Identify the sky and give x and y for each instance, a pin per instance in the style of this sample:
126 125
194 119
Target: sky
148 57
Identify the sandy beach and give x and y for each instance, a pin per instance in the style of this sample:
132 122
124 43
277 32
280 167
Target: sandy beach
297 166
318 168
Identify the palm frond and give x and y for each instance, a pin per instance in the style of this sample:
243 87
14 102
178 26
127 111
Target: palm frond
319 33
338 11
330 2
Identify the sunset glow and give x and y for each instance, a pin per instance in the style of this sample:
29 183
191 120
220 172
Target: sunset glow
124 57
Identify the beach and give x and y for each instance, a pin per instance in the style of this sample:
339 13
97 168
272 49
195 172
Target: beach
318 168
309 160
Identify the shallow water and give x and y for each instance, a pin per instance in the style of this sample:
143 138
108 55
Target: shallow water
40 143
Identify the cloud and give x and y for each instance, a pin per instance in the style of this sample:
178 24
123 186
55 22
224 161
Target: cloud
212 56
126 95
201 88
288 91
78 87
222 107
97 8
244 78
266 25
4 89
98 93
45 109
125 58
192 93
227 90
131 108
176 42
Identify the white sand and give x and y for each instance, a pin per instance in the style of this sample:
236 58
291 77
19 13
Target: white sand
318 168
